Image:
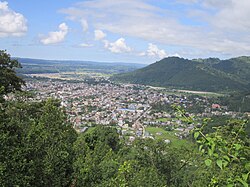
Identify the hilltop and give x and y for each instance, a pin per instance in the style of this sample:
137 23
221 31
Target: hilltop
210 74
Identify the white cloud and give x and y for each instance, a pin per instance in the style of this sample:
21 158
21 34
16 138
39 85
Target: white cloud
99 35
175 55
154 51
85 45
233 15
11 23
106 43
216 4
56 36
119 46
187 1
216 27
85 25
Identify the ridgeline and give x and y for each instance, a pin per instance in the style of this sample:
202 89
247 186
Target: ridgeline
210 74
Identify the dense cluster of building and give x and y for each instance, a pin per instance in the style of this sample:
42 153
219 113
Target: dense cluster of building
124 105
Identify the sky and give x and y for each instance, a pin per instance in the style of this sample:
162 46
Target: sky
136 31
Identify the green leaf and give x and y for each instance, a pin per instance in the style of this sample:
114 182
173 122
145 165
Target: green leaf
230 185
209 139
225 163
219 163
243 182
245 176
226 158
237 146
200 147
199 141
213 147
215 155
208 162
247 166
196 135
210 152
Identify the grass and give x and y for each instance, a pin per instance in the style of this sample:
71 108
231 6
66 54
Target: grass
90 129
163 119
175 141
189 92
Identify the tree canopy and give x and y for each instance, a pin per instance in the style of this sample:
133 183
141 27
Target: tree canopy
9 81
36 145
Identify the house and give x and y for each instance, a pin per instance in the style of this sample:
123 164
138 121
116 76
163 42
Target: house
216 106
131 138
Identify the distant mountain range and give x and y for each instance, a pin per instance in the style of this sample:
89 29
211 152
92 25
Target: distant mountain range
210 74
35 66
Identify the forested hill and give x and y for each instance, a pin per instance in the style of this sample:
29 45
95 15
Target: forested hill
210 74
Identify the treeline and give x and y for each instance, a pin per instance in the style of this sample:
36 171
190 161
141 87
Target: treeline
36 69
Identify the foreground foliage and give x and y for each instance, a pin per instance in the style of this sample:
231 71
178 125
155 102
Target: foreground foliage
36 145
105 160
226 153
9 81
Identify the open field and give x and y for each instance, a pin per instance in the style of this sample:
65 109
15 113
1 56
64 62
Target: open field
69 75
90 129
160 133
164 119
200 92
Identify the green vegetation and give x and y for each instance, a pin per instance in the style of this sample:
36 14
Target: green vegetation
90 129
202 74
217 159
40 148
100 158
9 81
163 119
161 134
36 145
226 154
236 101
35 139
105 160
162 107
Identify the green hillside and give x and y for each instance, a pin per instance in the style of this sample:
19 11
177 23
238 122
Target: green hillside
199 74
239 67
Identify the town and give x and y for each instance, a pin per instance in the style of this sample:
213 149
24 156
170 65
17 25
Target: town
133 109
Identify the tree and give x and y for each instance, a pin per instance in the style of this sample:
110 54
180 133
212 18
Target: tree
226 154
95 156
36 145
223 158
9 81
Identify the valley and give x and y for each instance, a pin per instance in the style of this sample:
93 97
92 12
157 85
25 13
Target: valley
125 93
